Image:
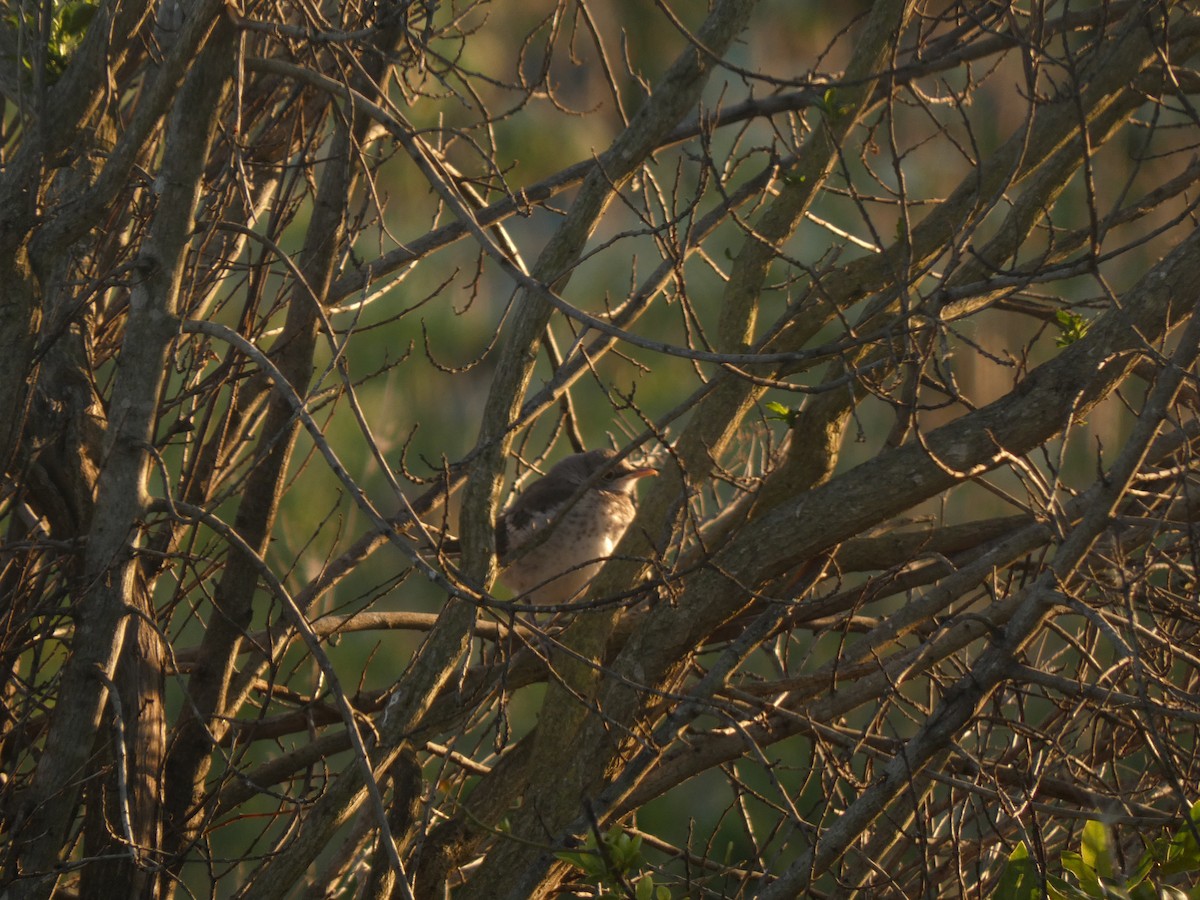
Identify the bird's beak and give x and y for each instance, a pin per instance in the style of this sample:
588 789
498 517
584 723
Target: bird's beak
644 472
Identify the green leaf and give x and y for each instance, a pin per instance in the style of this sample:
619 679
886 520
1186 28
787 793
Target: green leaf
587 861
783 413
1094 849
831 108
1019 881
1084 874
1147 861
1071 326
1181 853
621 858
828 98
644 888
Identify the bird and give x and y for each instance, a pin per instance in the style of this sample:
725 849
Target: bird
549 547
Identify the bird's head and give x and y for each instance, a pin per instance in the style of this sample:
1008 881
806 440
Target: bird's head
621 477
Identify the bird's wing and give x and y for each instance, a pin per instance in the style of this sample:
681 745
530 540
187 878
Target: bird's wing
536 508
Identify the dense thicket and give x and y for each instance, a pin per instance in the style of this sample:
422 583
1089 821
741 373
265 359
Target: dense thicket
899 297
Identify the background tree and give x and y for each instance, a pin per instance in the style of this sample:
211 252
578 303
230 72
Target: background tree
900 297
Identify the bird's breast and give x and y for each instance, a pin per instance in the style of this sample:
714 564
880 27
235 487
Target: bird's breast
552 558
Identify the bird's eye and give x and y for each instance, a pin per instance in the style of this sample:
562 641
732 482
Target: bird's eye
610 475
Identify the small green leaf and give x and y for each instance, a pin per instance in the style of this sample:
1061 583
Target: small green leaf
831 108
829 103
625 850
1071 326
783 413
589 863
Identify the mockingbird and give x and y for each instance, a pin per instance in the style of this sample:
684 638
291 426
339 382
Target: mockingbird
556 535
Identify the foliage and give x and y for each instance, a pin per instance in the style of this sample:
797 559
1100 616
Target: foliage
778 411
1072 327
1094 873
614 863
68 23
